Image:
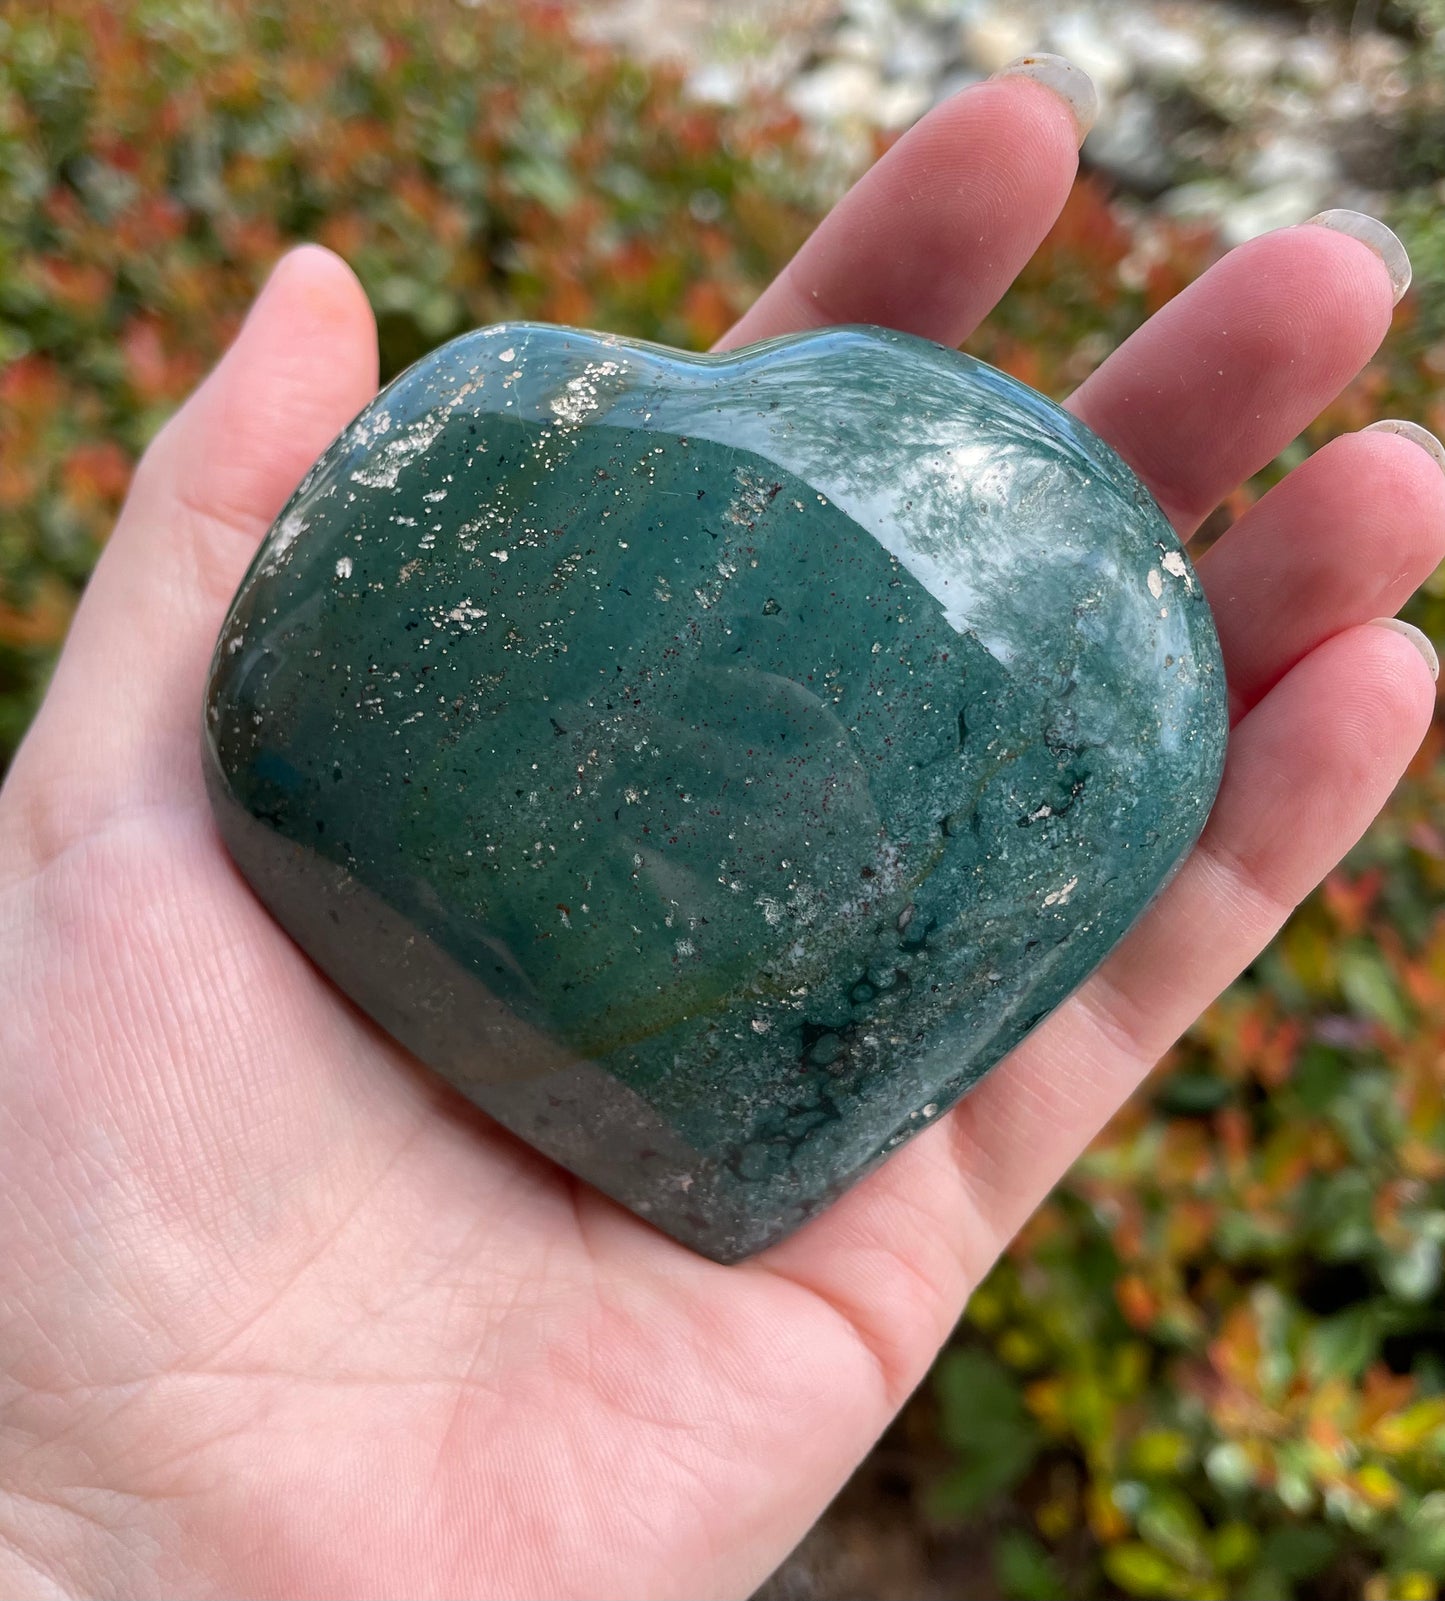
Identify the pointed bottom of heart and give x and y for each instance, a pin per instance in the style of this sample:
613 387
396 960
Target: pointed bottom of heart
566 1107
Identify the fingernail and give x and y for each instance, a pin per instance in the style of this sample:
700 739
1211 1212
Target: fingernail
1416 638
1070 83
1372 232
1414 433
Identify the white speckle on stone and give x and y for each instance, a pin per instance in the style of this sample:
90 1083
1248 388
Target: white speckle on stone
685 948
580 394
1156 583
290 529
497 555
1060 897
761 1025
1176 566
343 567
771 910
370 426
383 470
509 354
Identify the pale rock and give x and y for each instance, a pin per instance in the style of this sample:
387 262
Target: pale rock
1130 144
718 83
838 91
901 104
996 38
1164 54
1083 38
1284 159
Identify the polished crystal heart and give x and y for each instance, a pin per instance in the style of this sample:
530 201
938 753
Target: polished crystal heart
713 765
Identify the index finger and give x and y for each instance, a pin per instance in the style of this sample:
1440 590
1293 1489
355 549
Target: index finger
928 240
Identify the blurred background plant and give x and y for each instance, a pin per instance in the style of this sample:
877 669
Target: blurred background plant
1212 1366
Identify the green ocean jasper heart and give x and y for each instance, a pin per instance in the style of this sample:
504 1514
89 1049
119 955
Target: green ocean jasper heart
713 765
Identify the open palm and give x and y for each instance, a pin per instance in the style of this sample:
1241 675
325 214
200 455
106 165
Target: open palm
281 1314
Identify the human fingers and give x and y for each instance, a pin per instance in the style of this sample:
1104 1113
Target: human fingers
1346 537
1220 380
931 237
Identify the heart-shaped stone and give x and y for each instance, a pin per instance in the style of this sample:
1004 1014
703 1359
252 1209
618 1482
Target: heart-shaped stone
712 765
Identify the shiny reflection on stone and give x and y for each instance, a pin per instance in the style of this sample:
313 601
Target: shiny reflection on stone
713 765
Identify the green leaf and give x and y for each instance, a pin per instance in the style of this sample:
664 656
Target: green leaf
983 1419
1321 1077
1171 1523
1161 1452
1414 1273
1228 1465
1423 1544
1369 988
1341 1347
1298 1550
1235 1545
1189 1094
1343 1207
1024 1569
1139 1570
545 181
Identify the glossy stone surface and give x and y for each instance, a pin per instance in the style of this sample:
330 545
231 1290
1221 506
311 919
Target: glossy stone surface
713 765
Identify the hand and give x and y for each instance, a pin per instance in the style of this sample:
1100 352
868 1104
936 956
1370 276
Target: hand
280 1314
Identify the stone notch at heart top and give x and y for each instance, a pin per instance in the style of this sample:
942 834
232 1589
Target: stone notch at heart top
712 765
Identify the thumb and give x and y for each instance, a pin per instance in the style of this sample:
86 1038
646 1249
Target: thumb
119 725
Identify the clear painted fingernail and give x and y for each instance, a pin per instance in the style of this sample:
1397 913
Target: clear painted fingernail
1070 83
1414 433
1416 638
1372 232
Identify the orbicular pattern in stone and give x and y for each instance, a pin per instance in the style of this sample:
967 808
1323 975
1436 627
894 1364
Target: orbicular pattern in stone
713 765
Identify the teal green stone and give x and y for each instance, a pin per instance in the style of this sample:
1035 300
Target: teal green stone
713 765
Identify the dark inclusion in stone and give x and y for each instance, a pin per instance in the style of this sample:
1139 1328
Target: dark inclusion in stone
712 765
